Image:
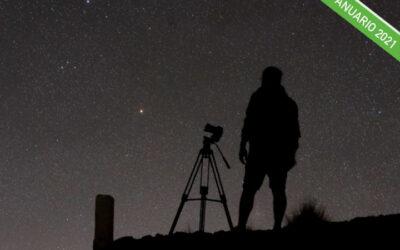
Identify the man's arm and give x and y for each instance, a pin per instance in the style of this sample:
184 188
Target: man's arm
296 115
246 131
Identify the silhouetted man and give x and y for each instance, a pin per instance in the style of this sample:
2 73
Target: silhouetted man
272 130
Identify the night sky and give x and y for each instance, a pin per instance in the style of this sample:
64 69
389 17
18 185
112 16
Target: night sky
111 97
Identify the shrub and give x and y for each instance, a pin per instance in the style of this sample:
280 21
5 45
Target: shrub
309 214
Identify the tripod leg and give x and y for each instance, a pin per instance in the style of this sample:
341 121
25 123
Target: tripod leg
203 200
184 199
193 174
220 188
228 216
188 188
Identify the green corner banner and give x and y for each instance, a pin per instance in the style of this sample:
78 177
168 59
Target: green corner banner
369 23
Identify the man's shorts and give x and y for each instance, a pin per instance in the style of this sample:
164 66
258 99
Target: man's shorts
255 173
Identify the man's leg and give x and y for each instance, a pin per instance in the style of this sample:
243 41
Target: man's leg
277 183
253 179
245 207
279 206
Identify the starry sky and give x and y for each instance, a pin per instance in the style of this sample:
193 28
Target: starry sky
111 97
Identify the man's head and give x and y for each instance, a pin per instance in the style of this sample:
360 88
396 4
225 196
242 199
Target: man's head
271 77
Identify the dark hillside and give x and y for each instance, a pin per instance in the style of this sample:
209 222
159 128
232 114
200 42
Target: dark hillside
380 231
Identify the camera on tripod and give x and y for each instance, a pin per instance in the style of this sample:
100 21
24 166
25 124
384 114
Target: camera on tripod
216 133
204 166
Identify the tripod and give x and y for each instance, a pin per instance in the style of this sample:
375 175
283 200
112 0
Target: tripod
205 154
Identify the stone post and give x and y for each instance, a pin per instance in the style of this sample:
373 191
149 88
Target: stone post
104 222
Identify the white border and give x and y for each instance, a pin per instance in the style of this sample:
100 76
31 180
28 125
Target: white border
380 18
